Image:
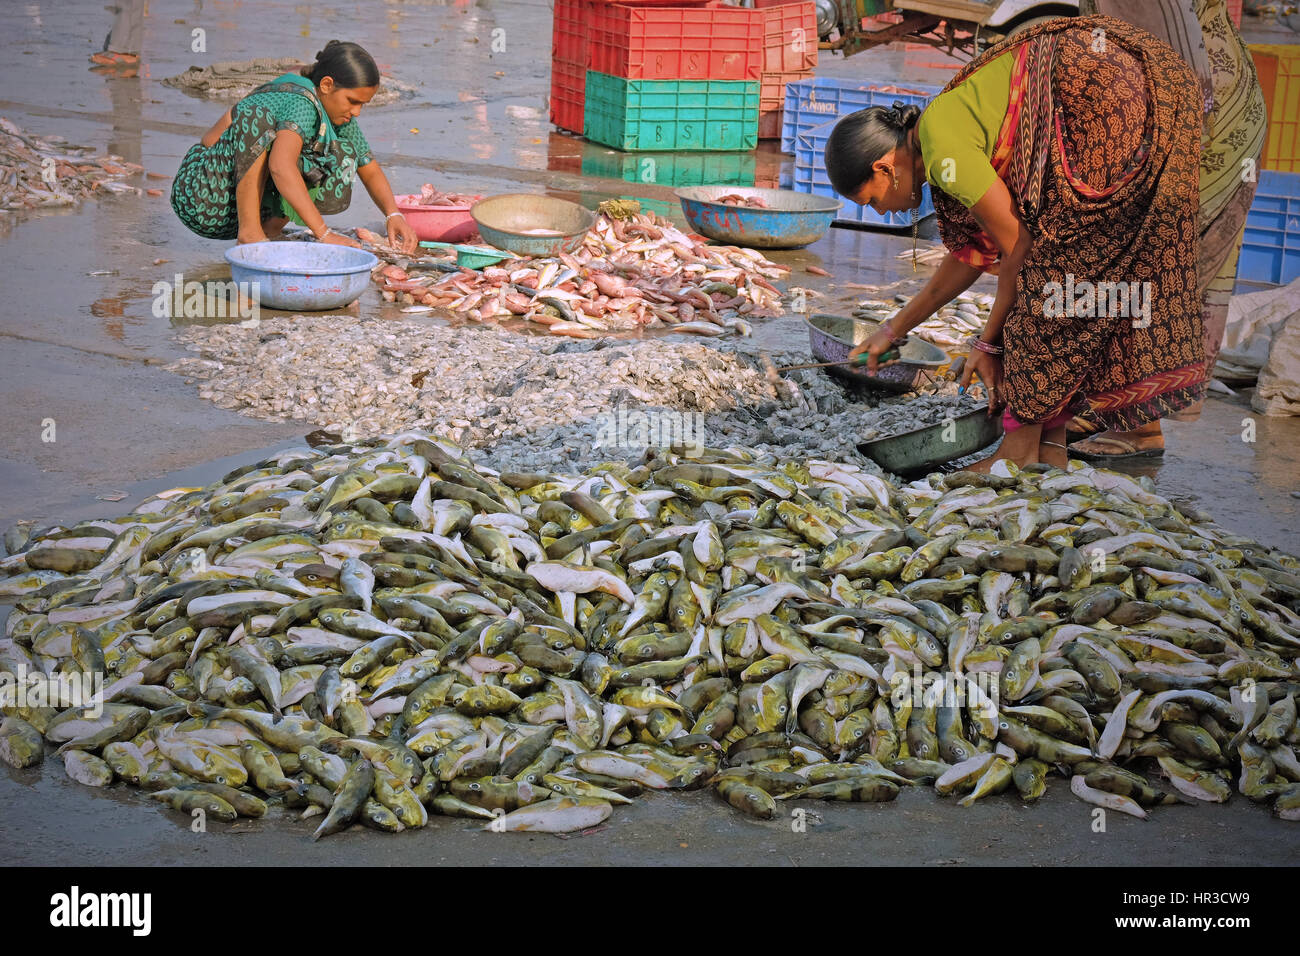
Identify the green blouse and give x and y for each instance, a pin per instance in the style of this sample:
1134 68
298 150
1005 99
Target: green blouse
298 114
959 129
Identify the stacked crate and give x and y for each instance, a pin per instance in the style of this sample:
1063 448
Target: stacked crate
673 78
789 55
569 63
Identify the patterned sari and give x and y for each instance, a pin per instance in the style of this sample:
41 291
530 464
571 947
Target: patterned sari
203 191
1099 151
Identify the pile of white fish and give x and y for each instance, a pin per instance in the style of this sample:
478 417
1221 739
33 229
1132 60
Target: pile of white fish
48 171
478 385
373 633
950 328
630 273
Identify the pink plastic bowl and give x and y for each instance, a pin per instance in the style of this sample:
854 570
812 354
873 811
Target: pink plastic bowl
437 223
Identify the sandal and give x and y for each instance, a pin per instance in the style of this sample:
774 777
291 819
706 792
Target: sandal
1127 451
109 58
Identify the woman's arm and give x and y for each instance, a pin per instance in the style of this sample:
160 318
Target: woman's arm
400 233
951 279
996 213
283 163
221 125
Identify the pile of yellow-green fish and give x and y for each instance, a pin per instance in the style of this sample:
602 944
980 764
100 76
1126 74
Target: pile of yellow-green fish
377 632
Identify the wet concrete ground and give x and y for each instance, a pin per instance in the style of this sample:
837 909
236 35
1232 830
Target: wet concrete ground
85 351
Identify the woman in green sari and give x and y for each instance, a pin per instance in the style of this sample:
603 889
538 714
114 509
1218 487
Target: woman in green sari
289 151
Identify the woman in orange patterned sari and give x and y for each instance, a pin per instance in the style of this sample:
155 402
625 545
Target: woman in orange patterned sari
1083 202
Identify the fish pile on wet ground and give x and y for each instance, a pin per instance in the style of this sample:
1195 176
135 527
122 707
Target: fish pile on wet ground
477 384
40 171
629 273
373 633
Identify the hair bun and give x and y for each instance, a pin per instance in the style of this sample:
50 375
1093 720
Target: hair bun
320 54
904 115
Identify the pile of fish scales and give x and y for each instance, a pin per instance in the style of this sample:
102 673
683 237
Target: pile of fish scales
371 633
952 327
636 272
48 171
534 402
375 376
820 420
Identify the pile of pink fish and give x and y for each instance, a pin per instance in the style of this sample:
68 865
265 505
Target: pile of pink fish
431 195
639 272
749 202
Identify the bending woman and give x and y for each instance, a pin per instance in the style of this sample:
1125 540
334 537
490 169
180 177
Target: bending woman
289 150
1061 157
1203 35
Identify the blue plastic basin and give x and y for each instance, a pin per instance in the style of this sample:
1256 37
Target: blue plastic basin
790 221
302 276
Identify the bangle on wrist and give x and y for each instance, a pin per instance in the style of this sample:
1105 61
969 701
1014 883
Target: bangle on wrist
986 347
391 215
895 338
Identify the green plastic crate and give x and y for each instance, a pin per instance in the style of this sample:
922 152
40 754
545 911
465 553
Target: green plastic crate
671 114
677 169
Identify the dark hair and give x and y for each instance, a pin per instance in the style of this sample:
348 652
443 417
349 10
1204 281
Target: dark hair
347 63
861 138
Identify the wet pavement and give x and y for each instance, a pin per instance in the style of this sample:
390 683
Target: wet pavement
86 352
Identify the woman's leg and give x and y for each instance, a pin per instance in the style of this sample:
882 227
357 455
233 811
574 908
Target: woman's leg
1020 446
1051 447
274 227
248 200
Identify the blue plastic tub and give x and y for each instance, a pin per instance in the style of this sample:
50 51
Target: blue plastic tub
302 276
790 221
812 102
810 177
1270 250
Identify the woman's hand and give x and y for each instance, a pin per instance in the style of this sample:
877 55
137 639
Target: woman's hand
334 239
400 234
880 342
989 369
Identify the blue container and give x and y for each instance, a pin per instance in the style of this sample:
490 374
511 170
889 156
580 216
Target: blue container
1270 249
810 177
302 276
814 101
790 221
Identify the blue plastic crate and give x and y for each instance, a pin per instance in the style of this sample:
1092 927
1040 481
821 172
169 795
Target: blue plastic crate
1270 250
810 177
814 101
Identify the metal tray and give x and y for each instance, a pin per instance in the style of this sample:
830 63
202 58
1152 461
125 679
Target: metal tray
832 337
922 450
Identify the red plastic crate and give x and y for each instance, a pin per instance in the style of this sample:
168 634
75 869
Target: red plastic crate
771 101
569 32
676 43
568 95
1234 11
789 37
